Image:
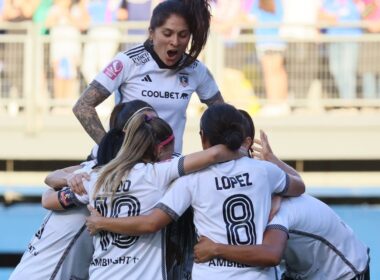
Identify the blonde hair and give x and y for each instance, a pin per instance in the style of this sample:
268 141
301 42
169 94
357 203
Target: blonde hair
142 135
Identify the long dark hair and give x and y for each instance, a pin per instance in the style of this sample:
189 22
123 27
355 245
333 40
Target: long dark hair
197 16
249 129
223 124
110 144
249 126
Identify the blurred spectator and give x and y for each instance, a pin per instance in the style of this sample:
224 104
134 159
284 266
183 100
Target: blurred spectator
40 15
369 57
15 11
300 29
226 16
19 10
102 37
64 21
1 9
343 55
138 10
228 20
270 51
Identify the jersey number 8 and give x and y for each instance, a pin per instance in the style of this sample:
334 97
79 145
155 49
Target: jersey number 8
238 214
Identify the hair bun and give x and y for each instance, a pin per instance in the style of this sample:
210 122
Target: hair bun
233 139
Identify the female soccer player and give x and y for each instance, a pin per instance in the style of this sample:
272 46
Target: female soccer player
314 242
62 248
131 184
158 71
231 200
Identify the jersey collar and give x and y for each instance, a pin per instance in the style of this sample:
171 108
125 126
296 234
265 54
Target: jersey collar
149 47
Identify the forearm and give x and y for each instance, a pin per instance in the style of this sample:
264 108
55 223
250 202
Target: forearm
296 185
50 200
199 160
255 255
136 225
56 179
129 226
86 113
217 99
285 167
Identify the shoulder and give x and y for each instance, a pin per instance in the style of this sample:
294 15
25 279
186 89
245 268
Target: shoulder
138 55
196 66
255 162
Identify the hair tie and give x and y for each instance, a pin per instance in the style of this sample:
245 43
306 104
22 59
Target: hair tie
148 118
166 141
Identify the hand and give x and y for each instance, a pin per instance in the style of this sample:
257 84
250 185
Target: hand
261 148
92 221
75 182
204 250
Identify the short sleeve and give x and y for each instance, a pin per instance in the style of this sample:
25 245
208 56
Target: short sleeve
278 179
177 199
115 73
167 171
207 87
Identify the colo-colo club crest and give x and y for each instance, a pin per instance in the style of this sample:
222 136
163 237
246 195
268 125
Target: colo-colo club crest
184 79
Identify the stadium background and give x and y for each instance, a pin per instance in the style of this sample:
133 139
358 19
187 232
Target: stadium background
334 143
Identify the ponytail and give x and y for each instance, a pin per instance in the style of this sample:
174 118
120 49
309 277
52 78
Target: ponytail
142 135
199 25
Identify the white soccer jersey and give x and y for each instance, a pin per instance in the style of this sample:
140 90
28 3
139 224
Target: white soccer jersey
320 245
119 256
139 74
231 203
61 248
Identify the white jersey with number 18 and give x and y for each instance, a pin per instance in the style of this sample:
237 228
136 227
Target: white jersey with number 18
120 256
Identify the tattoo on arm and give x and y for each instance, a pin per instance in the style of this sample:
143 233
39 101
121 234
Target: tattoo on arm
216 99
85 111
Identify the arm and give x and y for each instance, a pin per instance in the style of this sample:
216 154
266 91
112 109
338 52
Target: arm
62 200
59 178
216 99
275 206
199 160
66 177
263 151
267 254
135 225
85 111
50 200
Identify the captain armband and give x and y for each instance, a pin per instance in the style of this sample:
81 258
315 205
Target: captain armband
67 199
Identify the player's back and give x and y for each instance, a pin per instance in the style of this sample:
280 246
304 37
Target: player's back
320 245
120 256
231 204
61 248
49 247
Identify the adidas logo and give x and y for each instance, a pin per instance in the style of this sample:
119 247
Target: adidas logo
146 79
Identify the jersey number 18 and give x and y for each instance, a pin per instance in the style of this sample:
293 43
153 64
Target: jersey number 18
133 209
